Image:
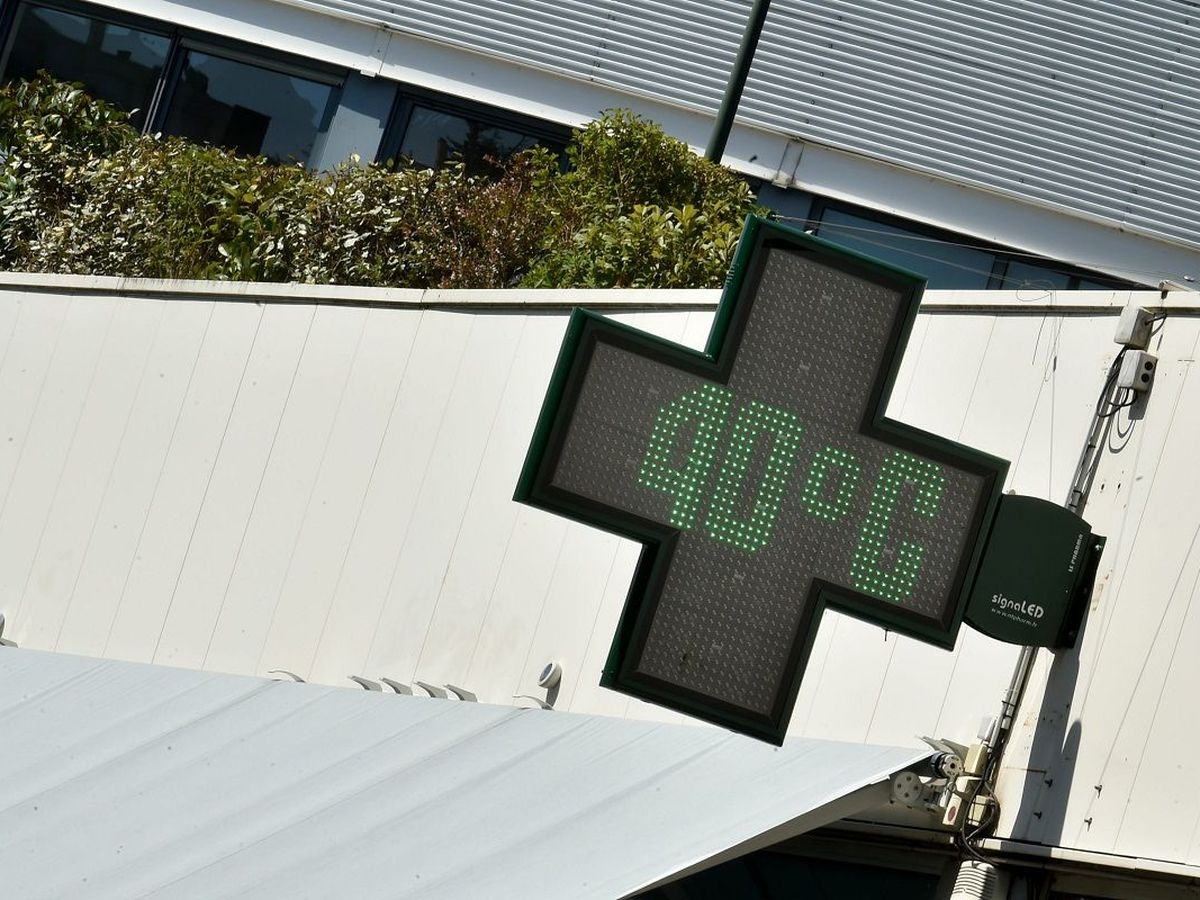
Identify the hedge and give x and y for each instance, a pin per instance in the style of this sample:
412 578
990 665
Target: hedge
82 192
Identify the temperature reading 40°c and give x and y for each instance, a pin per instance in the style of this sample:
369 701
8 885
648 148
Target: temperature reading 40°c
741 507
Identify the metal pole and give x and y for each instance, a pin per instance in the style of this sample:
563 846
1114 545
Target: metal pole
997 739
737 81
1077 497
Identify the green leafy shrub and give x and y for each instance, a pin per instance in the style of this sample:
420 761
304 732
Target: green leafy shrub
171 209
421 228
638 209
83 193
51 134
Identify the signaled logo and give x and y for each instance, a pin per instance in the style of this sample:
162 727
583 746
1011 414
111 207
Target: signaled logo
762 479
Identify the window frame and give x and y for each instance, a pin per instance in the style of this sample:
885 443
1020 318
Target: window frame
183 39
408 97
12 8
12 11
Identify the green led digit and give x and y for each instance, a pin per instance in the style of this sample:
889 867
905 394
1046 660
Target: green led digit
708 407
898 470
754 420
818 473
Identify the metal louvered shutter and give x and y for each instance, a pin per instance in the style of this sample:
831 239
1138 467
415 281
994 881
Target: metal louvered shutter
1086 105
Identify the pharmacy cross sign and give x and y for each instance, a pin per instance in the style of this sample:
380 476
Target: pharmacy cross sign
762 479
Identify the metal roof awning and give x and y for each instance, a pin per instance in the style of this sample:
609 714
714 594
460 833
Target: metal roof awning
127 780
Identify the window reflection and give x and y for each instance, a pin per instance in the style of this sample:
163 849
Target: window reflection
247 108
435 137
944 265
115 63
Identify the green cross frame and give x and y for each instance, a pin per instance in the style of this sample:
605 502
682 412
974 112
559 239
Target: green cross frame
762 479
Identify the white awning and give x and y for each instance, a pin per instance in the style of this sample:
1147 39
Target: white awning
125 780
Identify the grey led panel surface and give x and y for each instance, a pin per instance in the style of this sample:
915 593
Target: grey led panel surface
813 346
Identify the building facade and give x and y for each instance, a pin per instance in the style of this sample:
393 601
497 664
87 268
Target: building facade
257 479
984 145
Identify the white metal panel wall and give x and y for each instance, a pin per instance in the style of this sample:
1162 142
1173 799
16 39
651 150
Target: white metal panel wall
1086 106
327 489
1104 752
242 487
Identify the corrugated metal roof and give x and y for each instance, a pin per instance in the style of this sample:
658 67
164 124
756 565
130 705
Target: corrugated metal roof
128 780
1086 106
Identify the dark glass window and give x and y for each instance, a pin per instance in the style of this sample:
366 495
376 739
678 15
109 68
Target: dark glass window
946 259
429 131
1093 284
944 265
247 108
768 875
118 64
1020 274
794 207
434 137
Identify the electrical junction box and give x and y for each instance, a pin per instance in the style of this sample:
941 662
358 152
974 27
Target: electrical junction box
1133 328
1137 370
975 760
1036 574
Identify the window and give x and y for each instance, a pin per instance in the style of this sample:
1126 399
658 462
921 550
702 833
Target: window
429 131
118 63
946 259
434 137
248 108
250 100
1019 274
771 875
944 265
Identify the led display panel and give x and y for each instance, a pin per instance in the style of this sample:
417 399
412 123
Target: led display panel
763 480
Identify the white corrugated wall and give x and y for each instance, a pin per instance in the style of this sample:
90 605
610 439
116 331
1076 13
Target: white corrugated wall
1089 106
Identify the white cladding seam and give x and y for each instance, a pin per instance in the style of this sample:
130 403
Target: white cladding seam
129 780
1085 106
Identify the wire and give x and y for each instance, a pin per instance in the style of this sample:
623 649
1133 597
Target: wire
985 273
1156 274
1117 407
992 813
970 246
1103 401
1085 470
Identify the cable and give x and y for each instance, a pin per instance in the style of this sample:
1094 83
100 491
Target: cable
1085 471
1156 274
967 841
1103 400
970 246
1117 407
985 273
992 814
